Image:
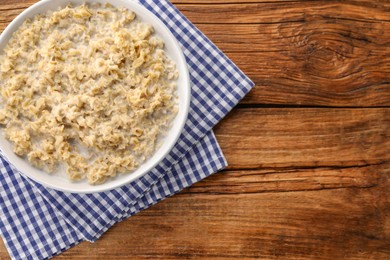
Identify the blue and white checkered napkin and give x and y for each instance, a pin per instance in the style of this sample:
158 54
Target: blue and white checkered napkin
37 222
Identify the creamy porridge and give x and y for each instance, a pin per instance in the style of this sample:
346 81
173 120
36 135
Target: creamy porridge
86 87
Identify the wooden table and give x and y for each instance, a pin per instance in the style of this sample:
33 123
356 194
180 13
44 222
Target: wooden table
308 148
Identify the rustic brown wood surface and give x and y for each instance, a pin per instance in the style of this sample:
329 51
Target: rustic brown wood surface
308 148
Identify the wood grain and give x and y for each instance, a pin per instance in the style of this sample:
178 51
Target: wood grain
309 54
308 148
305 137
257 220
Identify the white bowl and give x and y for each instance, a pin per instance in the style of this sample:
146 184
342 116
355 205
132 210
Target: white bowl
59 181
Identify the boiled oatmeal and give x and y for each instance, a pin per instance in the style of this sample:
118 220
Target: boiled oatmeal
86 87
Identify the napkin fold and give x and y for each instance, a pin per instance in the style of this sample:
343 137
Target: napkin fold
38 222
33 229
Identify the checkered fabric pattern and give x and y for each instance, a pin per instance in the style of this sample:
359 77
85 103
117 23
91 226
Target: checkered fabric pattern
37 222
32 229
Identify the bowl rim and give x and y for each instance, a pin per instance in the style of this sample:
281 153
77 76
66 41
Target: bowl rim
185 98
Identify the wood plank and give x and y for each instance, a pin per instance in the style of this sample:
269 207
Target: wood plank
325 62
261 13
375 4
324 57
281 37
340 223
305 137
287 180
313 54
280 79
